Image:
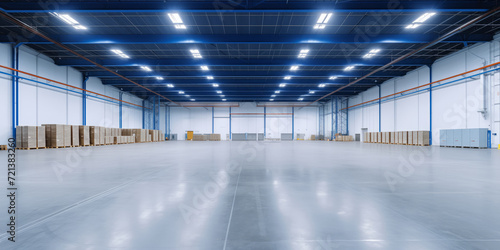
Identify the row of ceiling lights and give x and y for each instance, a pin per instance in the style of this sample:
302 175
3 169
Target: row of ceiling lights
179 24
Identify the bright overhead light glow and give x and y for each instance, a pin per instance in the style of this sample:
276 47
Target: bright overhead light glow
372 53
146 68
193 100
219 92
332 78
349 68
322 20
322 85
222 96
196 53
210 77
120 53
287 77
175 18
159 78
180 26
294 67
303 53
170 85
420 20
69 20
277 92
187 96
181 92
215 85
204 67
271 100
300 99
273 96
224 100
311 92
282 85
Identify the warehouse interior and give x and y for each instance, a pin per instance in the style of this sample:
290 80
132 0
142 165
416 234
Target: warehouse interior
256 124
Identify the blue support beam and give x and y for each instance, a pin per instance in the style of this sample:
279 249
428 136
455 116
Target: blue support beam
293 123
336 115
298 81
77 62
379 108
190 39
14 92
331 137
265 116
213 120
430 105
250 7
84 100
121 110
230 124
242 74
144 114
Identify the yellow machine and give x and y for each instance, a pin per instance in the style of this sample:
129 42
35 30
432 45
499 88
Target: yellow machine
190 135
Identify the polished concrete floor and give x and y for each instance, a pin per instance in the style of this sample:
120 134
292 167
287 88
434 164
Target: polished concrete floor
267 195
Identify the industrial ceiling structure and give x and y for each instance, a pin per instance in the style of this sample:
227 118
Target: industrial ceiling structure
247 51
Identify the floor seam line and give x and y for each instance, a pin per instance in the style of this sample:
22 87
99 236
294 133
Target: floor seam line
232 209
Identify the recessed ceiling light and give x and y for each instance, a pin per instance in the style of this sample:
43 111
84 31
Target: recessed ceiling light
159 78
180 26
80 27
210 77
311 92
420 20
322 85
196 53
181 92
303 53
349 68
277 92
69 20
219 92
300 99
224 100
287 77
187 96
170 85
120 53
322 20
222 96
273 96
332 78
204 67
282 85
193 100
146 68
372 53
294 67
177 20
271 100
215 85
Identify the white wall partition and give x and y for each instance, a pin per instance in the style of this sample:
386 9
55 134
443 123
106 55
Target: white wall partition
457 105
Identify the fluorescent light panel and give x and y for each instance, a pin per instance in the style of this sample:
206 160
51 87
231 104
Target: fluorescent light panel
181 92
177 20
287 77
224 100
193 100
196 53
322 20
204 67
322 85
420 20
215 85
300 99
69 20
159 78
282 85
120 53
332 78
294 67
146 68
170 85
311 92
277 92
372 53
210 77
219 92
349 68
271 100
303 53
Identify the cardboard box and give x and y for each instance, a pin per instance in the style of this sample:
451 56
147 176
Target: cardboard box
67 135
423 138
405 137
75 135
415 137
40 137
94 136
214 137
84 136
54 135
392 137
198 137
102 135
29 136
19 137
410 137
149 138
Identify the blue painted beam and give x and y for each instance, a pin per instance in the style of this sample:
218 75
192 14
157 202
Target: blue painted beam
293 123
253 39
120 117
213 120
343 62
84 101
430 105
237 82
246 74
242 7
265 116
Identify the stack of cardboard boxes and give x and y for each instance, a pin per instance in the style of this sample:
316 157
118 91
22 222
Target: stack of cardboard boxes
417 138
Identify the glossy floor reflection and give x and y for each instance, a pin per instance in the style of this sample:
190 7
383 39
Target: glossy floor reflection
272 195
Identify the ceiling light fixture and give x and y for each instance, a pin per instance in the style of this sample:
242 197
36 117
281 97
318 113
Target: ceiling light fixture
294 67
372 53
311 92
210 77
159 78
287 77
177 20
196 53
204 67
146 68
303 53
170 85
322 20
215 85
420 20
277 92
282 85
300 99
69 20
224 100
219 92
322 85
271 100
120 53
349 68
332 78
193 100
181 92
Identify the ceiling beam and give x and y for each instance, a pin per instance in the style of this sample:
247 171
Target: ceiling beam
241 62
345 39
248 6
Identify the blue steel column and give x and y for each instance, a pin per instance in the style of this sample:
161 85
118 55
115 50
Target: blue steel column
14 100
143 114
230 124
347 116
166 125
336 115
332 119
379 109
213 120
16 48
169 121
84 101
121 110
265 115
430 106
293 123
